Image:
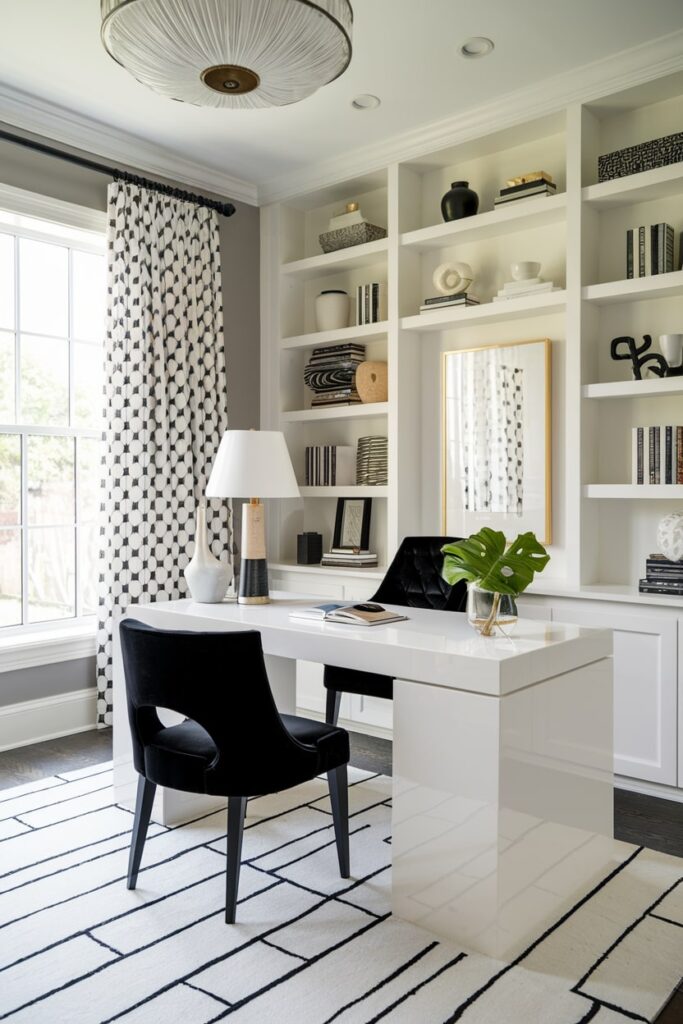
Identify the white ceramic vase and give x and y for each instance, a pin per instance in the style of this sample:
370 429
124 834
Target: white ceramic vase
672 348
670 536
207 578
332 310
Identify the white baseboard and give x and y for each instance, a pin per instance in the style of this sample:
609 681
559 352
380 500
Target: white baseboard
47 718
648 788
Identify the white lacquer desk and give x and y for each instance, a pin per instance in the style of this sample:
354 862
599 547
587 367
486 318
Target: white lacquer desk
502 810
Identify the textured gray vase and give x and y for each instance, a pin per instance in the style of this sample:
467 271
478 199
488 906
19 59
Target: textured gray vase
207 578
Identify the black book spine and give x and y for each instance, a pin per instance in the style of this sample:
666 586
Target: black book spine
640 457
654 247
641 252
651 455
629 253
668 455
658 456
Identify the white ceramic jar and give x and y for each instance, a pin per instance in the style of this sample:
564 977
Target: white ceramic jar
332 310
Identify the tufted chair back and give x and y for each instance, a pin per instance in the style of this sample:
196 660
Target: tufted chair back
414 577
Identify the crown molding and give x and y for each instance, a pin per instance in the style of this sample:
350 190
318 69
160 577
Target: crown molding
32 114
613 74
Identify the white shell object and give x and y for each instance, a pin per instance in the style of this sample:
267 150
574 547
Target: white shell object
449 278
670 536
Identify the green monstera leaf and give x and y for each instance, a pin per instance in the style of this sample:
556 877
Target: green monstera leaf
485 559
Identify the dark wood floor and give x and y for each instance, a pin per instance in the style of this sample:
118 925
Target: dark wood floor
643 820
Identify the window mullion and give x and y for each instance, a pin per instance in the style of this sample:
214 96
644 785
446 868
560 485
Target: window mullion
24 528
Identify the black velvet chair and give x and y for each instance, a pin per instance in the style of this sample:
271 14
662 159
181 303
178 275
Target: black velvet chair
233 742
413 580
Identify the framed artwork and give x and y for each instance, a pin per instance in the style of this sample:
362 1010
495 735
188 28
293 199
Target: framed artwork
496 439
352 523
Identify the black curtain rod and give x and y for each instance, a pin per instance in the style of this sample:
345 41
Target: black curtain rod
226 209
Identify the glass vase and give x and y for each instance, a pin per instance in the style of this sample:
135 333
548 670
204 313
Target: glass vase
490 613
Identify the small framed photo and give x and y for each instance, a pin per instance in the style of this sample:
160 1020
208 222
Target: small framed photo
496 439
352 523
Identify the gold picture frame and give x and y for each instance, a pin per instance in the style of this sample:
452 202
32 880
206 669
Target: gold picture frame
510 487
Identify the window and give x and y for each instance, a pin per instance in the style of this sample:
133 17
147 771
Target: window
52 302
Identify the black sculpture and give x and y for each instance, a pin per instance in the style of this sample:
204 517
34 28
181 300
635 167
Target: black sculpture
635 352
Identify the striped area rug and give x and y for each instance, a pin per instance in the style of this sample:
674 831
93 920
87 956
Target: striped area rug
77 948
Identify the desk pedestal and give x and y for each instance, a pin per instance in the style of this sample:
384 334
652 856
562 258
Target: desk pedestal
503 807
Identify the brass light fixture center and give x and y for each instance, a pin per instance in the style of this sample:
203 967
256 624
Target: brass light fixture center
230 78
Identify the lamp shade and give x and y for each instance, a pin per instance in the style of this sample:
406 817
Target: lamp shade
252 464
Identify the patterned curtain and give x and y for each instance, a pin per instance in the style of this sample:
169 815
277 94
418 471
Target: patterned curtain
165 395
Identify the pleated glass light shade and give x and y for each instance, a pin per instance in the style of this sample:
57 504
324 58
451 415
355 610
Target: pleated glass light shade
253 53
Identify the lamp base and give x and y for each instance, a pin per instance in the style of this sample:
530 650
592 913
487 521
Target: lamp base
254 567
254 581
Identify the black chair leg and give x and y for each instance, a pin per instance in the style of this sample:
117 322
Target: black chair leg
237 808
332 706
143 810
339 798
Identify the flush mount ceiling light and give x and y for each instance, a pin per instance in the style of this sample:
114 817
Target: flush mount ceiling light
477 46
230 53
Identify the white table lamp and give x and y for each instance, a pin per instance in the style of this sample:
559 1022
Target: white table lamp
248 463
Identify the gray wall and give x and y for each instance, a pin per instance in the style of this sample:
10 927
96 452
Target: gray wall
46 175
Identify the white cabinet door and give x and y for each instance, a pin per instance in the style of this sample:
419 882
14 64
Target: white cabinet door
645 687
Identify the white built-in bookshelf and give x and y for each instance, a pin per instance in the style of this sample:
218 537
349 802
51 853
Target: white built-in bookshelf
603 525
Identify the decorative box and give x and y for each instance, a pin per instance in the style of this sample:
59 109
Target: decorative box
309 548
355 234
634 159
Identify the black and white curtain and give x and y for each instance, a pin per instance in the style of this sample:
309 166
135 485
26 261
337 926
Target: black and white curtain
165 396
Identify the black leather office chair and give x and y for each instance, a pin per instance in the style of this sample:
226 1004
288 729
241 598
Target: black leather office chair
413 580
233 743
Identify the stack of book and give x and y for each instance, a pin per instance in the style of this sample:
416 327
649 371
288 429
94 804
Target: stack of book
657 455
369 303
349 558
527 186
330 465
649 250
533 286
662 576
330 373
444 301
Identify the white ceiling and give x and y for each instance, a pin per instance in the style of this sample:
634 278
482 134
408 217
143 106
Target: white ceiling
406 52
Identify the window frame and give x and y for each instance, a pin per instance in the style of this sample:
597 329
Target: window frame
84 230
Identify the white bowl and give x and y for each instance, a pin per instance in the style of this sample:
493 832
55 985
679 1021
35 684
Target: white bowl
524 270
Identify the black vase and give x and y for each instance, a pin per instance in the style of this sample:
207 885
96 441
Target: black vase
459 201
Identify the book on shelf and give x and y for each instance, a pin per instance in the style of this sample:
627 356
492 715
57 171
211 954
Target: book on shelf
527 186
649 250
353 558
369 303
521 197
516 289
646 586
657 455
448 301
330 465
348 396
369 614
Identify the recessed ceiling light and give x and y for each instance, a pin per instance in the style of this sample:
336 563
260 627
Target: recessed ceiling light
366 101
477 46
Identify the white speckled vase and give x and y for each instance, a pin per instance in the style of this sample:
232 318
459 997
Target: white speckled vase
207 578
670 536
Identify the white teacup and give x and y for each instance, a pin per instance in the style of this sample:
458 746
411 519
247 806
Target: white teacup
672 348
524 270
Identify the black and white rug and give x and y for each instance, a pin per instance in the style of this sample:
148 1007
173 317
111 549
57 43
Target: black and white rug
76 947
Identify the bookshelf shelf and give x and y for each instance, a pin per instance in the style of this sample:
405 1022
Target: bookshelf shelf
365 332
337 412
517 216
329 263
658 286
350 491
649 388
488 312
640 492
658 183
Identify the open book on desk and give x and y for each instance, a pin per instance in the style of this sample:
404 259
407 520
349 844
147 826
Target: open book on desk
368 614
